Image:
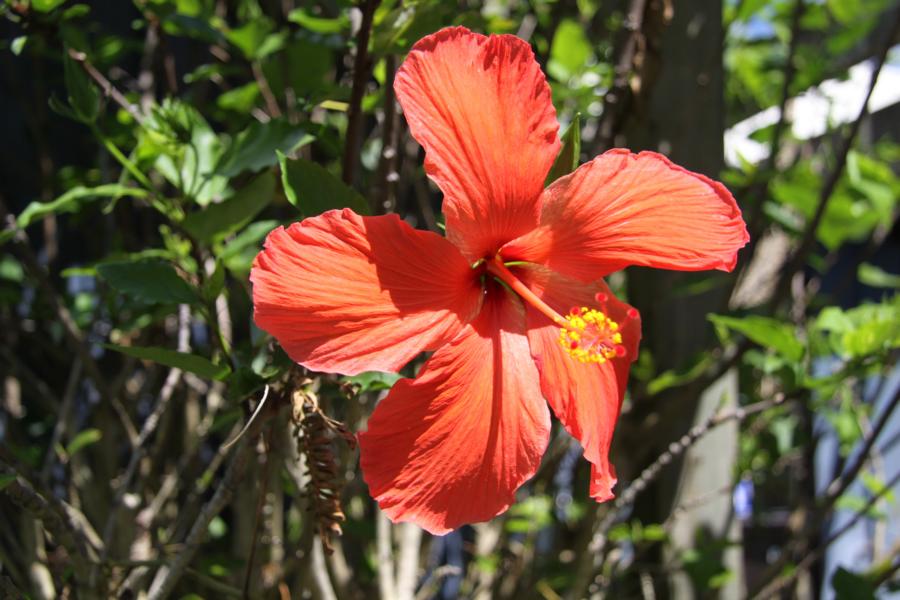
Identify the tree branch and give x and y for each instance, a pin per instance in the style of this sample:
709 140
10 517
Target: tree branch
810 558
798 259
597 546
106 85
22 249
168 575
761 187
361 68
54 517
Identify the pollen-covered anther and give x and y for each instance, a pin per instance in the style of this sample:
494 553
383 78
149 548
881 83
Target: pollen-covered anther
590 336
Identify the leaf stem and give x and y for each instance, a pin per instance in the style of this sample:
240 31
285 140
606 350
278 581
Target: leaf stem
121 158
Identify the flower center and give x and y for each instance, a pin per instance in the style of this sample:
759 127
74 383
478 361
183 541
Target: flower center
591 336
588 335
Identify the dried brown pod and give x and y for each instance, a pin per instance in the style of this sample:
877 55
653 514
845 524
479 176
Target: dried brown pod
315 433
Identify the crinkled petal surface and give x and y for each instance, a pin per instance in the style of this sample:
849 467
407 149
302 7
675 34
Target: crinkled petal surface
586 398
453 445
345 294
625 209
481 108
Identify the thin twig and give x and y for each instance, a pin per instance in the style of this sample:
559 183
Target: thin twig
62 418
798 259
790 71
260 505
386 181
631 59
431 584
22 250
168 575
149 428
8 589
265 90
834 491
675 449
810 558
615 98
387 583
837 487
106 85
597 546
54 517
361 68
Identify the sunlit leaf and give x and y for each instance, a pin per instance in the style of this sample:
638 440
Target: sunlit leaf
83 440
74 199
568 157
256 147
181 360
153 281
218 220
765 331
313 189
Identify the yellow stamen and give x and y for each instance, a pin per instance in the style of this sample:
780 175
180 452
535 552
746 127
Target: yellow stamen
590 336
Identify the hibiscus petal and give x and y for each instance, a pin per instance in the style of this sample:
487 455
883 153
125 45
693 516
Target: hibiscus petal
343 293
481 108
586 398
452 446
624 209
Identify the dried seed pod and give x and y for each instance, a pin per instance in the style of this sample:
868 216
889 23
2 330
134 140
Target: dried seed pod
315 433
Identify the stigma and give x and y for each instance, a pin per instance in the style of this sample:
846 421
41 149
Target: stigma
590 336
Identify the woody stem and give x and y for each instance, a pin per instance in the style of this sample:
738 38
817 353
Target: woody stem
496 268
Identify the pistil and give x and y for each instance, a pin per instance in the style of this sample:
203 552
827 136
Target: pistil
500 271
586 334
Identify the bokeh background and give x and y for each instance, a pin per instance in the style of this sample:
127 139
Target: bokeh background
149 146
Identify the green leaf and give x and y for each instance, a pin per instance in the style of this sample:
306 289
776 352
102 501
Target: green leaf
873 276
185 148
180 360
238 253
765 331
567 159
240 99
83 96
851 586
218 220
531 514
215 283
673 377
18 44
315 24
861 331
83 440
6 479
373 381
11 269
45 6
184 25
72 200
75 11
569 51
217 529
313 189
152 281
398 26
256 147
256 39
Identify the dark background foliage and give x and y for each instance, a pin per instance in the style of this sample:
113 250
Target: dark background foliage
149 146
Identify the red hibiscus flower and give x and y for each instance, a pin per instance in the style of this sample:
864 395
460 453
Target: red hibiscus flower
511 302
